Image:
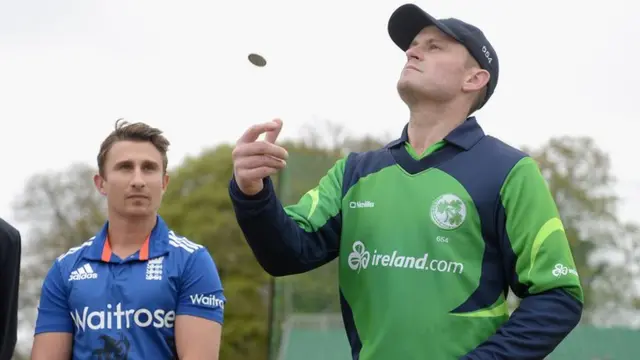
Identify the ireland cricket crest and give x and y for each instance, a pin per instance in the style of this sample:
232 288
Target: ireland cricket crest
448 212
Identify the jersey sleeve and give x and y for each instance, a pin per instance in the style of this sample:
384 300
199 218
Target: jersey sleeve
201 293
540 267
54 314
297 238
536 236
317 208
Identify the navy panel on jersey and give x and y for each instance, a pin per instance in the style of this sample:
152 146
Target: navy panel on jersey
482 172
480 163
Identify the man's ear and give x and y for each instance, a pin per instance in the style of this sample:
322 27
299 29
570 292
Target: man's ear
99 183
165 182
476 80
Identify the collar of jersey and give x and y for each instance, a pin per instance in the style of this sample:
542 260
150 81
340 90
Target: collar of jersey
465 135
156 243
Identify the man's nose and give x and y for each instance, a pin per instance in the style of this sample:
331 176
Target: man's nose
413 53
138 179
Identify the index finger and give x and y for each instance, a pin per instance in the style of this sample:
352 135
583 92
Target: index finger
255 131
272 136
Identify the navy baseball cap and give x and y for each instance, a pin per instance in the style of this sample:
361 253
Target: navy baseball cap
409 19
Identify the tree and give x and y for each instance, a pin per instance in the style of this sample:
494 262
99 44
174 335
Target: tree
615 292
309 161
63 209
310 158
197 206
580 179
332 138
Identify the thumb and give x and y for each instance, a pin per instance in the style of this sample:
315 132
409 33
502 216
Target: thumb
272 135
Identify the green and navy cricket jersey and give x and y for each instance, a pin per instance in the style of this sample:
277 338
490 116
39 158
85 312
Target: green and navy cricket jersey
126 308
428 248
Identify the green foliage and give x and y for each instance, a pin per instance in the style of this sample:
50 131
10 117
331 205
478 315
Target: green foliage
315 291
63 209
197 206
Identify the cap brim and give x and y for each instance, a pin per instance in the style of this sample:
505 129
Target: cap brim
407 22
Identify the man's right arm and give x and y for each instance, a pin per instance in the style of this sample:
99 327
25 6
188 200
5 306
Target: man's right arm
54 327
297 238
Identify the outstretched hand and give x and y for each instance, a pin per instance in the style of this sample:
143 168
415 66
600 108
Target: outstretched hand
254 160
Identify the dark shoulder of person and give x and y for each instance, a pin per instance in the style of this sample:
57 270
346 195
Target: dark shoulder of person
8 232
10 252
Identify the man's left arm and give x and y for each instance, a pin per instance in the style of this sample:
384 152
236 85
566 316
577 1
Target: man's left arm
540 267
200 311
10 249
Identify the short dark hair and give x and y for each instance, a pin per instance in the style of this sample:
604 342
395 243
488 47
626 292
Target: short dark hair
139 131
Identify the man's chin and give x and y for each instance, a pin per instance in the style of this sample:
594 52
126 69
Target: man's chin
139 212
408 90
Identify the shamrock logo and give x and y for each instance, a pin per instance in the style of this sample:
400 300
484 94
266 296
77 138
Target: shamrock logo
448 212
359 258
560 269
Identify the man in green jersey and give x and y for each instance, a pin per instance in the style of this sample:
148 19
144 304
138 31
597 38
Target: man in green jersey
431 230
